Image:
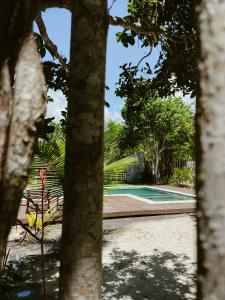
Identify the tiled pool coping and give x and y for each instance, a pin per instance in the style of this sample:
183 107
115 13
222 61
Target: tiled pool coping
149 200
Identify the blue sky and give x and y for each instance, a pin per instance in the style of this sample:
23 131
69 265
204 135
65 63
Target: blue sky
58 25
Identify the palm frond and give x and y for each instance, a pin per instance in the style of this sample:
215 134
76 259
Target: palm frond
50 156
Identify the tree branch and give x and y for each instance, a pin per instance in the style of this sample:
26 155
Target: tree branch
148 54
28 230
137 27
67 4
144 30
112 4
52 48
118 21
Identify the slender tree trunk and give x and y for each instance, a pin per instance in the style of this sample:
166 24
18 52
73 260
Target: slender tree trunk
156 170
211 152
80 274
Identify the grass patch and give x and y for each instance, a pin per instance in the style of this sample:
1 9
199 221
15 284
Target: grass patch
121 165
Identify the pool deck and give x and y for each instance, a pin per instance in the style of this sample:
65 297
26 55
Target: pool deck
129 206
126 206
117 206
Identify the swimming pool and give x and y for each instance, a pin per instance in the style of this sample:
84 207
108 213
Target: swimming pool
149 194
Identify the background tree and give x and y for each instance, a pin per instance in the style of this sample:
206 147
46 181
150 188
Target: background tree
170 27
162 127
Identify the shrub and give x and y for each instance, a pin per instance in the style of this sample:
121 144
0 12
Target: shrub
182 177
108 179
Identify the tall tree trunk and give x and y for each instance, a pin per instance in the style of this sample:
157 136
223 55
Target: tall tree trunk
18 102
20 112
80 274
211 152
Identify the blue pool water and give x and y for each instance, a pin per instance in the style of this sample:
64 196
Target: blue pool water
148 193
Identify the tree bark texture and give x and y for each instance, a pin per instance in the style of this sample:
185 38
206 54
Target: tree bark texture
80 274
16 18
211 152
21 109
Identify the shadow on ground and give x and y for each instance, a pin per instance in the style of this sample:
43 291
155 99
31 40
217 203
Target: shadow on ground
161 276
23 277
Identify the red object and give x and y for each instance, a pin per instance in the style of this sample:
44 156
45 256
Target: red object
42 173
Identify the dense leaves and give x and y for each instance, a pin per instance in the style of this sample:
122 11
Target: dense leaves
182 177
56 77
170 28
174 34
161 127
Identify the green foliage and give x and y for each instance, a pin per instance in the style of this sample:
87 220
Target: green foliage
126 39
182 177
50 154
120 165
57 134
114 171
129 83
56 77
45 128
112 132
167 120
47 156
162 127
146 8
175 37
112 151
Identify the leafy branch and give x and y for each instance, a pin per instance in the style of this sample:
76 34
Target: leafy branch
52 48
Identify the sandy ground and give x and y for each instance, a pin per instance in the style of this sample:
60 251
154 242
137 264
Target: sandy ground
150 258
174 233
144 258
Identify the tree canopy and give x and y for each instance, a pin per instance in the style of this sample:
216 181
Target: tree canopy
160 127
170 27
167 25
